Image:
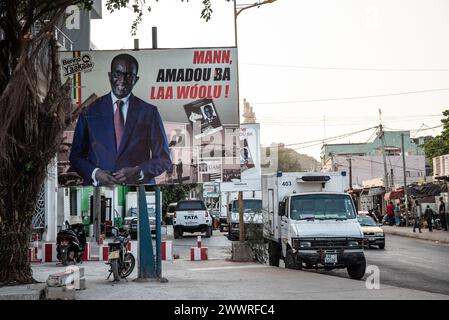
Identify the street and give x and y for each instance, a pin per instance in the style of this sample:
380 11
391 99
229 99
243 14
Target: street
405 262
409 269
409 263
219 247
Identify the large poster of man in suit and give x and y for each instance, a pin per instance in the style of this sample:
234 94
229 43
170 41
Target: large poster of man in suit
121 138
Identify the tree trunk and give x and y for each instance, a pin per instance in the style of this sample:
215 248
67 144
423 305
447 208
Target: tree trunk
34 111
16 215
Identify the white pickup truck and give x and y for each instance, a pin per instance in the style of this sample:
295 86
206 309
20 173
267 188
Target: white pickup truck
309 222
191 216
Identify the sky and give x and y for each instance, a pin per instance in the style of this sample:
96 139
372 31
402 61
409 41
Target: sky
315 70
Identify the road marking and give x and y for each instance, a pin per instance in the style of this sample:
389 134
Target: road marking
229 268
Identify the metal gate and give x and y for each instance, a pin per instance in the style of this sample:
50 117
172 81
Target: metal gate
38 221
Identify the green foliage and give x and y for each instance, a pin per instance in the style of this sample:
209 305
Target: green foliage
174 193
438 145
291 161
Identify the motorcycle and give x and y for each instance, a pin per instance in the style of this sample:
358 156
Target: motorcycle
120 260
70 243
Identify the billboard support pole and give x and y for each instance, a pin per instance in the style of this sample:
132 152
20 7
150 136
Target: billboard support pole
146 267
159 236
241 220
97 213
158 203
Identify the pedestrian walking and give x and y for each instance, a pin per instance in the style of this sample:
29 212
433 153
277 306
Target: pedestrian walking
390 213
417 215
397 214
442 213
428 214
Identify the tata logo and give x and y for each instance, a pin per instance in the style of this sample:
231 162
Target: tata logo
191 218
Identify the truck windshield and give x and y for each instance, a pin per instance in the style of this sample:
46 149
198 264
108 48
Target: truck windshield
321 207
248 205
190 205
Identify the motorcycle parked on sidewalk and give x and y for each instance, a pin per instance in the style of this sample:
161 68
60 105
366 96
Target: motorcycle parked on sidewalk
70 243
120 260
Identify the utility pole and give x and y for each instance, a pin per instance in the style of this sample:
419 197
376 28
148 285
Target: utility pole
350 173
236 13
382 140
405 180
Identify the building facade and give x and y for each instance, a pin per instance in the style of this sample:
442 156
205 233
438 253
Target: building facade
365 165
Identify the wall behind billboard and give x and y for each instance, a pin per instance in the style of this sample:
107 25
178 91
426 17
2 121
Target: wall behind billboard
181 104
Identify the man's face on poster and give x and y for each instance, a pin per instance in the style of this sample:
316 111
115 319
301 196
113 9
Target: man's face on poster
123 77
208 111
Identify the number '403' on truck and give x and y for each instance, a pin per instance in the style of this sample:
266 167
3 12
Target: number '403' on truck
310 222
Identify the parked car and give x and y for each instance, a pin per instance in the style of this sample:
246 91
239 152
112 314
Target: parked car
192 216
372 232
131 224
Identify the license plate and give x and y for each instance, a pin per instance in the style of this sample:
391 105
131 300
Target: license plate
113 255
330 258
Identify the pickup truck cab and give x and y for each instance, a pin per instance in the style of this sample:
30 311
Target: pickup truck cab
191 216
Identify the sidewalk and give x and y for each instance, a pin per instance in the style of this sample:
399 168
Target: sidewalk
439 236
226 280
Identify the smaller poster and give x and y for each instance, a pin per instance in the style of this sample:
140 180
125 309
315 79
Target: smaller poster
203 116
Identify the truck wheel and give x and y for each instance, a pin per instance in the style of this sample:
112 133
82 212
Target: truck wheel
208 232
357 271
221 228
177 233
382 246
274 254
290 261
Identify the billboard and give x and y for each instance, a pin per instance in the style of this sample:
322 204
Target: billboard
154 116
249 159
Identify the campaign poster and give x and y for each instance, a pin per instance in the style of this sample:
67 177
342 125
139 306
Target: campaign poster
148 116
249 178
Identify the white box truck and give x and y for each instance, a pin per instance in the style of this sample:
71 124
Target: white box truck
310 222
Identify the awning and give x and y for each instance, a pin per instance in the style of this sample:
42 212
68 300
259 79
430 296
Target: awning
394 195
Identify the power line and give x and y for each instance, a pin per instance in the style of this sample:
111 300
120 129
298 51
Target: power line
392 165
413 130
348 68
330 138
354 98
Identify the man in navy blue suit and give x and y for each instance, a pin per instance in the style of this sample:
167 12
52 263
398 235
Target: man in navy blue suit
120 139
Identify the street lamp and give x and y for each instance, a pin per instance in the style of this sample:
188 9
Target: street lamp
236 13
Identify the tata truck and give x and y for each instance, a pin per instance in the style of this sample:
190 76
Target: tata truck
311 223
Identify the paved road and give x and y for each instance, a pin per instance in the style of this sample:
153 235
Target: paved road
409 263
219 247
399 265
405 262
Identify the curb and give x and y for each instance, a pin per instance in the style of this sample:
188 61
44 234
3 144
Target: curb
415 236
34 291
